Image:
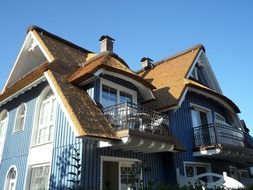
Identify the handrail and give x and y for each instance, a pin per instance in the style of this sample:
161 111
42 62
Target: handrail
216 133
248 140
131 116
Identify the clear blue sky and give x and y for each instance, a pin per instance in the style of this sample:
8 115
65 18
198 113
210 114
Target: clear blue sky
156 29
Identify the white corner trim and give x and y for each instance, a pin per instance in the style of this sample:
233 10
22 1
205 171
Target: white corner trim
58 98
41 47
23 90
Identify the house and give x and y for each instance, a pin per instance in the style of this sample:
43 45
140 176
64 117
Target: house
201 117
72 118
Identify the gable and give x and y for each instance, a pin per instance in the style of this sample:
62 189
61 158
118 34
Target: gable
30 57
202 72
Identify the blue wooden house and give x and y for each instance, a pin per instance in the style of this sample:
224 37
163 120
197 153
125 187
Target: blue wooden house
72 118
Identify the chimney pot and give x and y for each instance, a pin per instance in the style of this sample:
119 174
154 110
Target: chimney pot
106 43
146 63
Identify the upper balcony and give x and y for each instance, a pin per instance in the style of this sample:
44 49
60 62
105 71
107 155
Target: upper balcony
131 116
222 141
141 129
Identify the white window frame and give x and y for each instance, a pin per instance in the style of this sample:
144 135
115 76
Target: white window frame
4 131
37 166
120 161
203 109
17 127
119 89
42 97
219 121
46 126
196 164
7 182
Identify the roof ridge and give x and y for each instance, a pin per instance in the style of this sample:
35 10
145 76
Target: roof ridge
43 31
200 46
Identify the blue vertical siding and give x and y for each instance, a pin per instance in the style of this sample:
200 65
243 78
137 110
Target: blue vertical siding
16 148
64 143
181 126
63 149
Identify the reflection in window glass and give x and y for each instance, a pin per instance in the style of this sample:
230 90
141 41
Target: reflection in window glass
109 96
39 178
124 97
20 120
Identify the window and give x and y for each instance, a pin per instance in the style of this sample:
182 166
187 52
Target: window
11 179
109 96
3 129
193 169
112 94
200 116
39 178
220 119
46 119
20 118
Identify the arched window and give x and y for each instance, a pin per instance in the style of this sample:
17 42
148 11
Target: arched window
20 118
46 118
3 129
10 183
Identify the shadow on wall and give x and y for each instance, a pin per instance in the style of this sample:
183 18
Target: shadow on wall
69 170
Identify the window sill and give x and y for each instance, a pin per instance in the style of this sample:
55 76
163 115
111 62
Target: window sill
42 144
19 131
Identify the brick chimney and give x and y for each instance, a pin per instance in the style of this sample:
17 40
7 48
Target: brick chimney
146 63
106 43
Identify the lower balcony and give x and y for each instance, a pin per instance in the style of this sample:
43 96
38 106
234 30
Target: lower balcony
141 129
222 141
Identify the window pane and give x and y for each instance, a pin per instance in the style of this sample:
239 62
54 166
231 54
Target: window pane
39 178
46 121
124 97
189 171
109 96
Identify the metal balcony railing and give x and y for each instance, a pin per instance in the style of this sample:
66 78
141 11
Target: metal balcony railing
132 116
248 140
216 133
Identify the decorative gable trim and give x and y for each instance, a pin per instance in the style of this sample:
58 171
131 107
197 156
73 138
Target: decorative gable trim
31 41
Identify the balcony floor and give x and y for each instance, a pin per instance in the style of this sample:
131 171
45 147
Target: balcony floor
225 152
137 141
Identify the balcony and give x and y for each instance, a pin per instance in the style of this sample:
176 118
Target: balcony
222 142
215 133
248 140
134 117
140 129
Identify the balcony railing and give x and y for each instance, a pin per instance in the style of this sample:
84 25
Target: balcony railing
132 116
248 140
215 133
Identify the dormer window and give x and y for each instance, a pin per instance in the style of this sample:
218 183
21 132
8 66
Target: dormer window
20 118
112 94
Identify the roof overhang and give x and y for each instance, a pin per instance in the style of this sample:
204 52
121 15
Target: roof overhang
133 140
26 83
226 102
